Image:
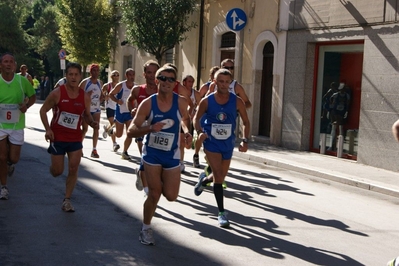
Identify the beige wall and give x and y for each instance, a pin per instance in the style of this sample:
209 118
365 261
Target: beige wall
262 20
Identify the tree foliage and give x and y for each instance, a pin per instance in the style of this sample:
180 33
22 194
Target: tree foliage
45 34
86 30
11 33
156 26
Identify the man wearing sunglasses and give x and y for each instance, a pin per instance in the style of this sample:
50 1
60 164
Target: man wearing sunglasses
123 117
138 94
165 112
182 91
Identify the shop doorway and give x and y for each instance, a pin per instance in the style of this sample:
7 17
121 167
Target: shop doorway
337 99
265 111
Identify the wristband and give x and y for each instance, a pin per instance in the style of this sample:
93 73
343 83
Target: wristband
245 140
199 132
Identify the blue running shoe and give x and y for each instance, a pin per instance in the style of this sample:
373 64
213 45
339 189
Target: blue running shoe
222 220
198 187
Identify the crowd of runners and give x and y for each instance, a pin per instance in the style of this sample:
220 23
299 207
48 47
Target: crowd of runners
161 115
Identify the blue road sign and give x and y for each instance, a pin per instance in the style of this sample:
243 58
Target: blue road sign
236 19
62 54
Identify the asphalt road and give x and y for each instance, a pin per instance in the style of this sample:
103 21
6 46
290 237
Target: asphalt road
278 217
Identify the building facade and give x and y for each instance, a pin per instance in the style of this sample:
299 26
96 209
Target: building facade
288 56
353 44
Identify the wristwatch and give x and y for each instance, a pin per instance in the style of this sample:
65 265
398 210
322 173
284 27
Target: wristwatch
245 140
199 132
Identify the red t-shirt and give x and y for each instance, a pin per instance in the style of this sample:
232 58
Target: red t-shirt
67 117
142 94
176 88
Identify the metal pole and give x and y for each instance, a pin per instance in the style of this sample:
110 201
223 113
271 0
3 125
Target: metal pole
200 39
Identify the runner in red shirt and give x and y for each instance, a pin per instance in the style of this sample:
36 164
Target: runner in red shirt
70 106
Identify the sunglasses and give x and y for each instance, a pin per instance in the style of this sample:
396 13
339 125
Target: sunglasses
163 78
228 68
114 75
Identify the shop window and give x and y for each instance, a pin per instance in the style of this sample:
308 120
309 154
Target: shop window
337 102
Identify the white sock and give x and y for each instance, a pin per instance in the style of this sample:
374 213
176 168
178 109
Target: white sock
145 226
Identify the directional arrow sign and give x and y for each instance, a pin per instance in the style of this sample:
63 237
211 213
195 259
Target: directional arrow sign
236 19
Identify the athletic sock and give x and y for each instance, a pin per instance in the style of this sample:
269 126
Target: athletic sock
218 191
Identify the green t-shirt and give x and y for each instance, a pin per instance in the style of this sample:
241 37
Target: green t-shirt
36 84
11 95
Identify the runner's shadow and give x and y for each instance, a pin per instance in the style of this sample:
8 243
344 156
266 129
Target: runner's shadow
255 240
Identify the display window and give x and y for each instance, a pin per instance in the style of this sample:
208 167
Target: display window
336 99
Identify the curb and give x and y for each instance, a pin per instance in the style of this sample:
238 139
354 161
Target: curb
316 173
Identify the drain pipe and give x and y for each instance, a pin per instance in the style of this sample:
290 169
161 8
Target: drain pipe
200 38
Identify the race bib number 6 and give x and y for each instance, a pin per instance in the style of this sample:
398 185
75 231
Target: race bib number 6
68 120
161 141
9 113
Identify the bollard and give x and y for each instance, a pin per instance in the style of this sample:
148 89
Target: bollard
323 143
340 146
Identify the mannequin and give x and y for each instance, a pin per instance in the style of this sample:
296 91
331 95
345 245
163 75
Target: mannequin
339 112
326 108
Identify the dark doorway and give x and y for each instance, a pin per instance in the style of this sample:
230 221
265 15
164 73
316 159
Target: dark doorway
265 112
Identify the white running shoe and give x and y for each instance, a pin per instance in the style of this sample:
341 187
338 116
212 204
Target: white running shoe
105 133
139 182
146 237
4 193
116 147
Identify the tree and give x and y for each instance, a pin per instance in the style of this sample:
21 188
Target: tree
156 26
11 33
86 30
45 35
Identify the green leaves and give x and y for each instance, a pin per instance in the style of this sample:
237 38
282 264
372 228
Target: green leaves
86 30
156 26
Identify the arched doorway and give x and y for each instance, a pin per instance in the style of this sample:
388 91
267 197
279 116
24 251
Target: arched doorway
266 90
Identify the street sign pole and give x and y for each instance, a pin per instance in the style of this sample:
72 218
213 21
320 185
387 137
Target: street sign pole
62 56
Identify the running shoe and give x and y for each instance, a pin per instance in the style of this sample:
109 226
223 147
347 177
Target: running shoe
67 206
199 187
116 147
94 154
139 182
105 133
11 169
146 237
125 155
222 220
182 167
4 193
196 163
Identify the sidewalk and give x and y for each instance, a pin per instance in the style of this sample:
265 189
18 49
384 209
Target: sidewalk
323 166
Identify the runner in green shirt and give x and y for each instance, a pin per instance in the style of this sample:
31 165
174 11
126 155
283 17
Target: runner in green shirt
17 95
